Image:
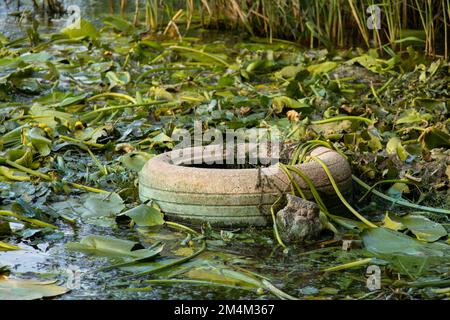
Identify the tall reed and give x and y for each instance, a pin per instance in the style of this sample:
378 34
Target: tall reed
329 23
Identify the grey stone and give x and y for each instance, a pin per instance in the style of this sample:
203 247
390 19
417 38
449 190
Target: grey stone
298 220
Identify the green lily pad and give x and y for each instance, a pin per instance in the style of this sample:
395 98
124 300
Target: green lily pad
102 205
382 241
145 216
113 247
83 30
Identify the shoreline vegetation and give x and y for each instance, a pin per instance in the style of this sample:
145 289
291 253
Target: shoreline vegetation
320 23
396 24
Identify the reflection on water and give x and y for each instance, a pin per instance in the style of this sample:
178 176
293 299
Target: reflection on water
15 19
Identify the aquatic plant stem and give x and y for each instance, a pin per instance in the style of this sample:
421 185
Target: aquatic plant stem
86 188
275 227
350 118
113 95
349 265
133 105
192 281
338 192
294 182
8 247
37 223
154 70
212 57
26 170
87 143
48 178
399 201
383 182
182 227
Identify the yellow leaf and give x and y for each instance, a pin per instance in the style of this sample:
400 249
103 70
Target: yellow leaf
391 224
13 174
8 247
185 252
11 289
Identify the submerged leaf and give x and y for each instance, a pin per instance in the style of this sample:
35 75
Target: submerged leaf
382 241
224 275
113 247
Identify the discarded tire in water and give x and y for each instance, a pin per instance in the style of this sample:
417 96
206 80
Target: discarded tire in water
237 197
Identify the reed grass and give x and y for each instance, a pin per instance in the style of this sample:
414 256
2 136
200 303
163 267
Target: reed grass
316 23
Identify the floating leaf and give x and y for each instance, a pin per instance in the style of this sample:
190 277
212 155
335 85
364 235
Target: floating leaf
394 146
113 247
134 160
102 205
290 71
224 275
323 67
382 241
39 142
392 224
185 252
412 116
83 30
279 103
48 116
118 78
11 289
423 228
435 138
145 216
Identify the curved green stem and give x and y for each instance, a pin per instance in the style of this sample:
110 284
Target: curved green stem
356 118
87 143
400 201
194 281
294 182
349 265
212 57
37 223
275 227
26 170
86 188
132 105
182 227
113 95
338 192
383 182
